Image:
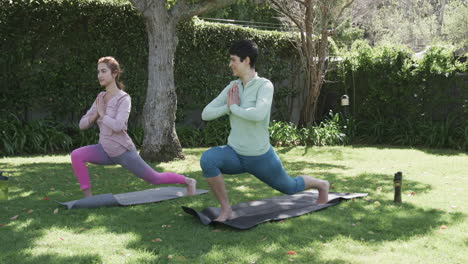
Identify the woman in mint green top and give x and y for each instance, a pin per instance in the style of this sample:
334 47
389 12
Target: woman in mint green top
247 101
249 134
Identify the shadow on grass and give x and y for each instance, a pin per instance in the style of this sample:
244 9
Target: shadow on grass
443 152
432 151
360 220
335 152
57 259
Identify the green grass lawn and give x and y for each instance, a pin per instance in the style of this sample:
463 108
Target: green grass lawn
429 227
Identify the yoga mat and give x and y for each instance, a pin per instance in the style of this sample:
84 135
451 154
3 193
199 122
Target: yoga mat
252 213
123 199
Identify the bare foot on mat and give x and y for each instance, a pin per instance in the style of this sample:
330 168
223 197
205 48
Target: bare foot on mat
87 193
191 186
323 192
224 215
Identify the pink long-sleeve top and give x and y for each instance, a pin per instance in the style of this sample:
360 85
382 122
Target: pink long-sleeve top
113 126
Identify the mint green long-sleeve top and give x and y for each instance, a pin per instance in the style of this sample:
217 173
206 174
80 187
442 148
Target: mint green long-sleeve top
249 134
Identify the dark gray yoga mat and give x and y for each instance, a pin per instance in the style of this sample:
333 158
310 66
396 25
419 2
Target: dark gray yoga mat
146 196
252 213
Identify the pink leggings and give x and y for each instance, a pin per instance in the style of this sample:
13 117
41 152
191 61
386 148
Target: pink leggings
130 160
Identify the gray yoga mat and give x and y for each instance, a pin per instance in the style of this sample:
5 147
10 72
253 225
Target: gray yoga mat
252 213
146 196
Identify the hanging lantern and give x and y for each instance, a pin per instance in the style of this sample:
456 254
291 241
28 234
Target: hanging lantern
344 100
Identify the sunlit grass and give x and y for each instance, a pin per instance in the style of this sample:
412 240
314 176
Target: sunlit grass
429 227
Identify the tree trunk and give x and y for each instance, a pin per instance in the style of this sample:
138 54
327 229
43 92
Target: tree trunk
160 142
440 18
316 66
308 51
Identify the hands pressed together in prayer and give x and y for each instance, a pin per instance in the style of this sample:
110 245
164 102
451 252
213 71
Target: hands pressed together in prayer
233 95
100 105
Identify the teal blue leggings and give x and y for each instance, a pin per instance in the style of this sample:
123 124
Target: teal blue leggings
266 167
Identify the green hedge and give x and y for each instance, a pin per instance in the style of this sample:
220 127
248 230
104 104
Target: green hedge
48 53
202 60
49 50
46 136
390 82
399 99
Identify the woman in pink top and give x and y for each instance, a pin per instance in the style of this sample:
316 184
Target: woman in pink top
110 111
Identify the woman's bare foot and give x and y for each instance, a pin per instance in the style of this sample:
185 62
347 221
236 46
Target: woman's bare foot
191 186
321 185
323 192
225 214
87 193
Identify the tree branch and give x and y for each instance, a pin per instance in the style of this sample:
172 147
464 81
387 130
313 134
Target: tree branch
288 14
335 19
300 2
143 6
182 9
343 8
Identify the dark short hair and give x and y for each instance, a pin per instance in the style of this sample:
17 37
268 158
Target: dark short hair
245 48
